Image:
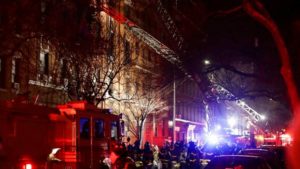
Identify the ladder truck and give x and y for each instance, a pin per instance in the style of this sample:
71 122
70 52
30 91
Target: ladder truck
167 53
253 115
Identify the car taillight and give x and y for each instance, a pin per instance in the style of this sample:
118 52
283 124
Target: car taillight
27 166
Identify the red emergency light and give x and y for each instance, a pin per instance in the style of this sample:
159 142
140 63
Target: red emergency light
27 166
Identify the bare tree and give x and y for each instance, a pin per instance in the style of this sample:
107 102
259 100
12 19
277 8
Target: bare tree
257 11
146 101
91 78
81 59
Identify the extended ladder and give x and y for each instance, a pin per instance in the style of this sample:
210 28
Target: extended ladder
148 39
170 24
255 116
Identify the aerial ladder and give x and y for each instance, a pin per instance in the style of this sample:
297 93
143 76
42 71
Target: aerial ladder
170 24
253 115
170 55
160 48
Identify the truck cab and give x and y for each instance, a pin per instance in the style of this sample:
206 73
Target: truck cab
74 135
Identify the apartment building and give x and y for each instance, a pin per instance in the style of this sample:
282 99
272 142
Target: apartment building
185 119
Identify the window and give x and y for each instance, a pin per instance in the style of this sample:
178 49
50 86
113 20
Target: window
64 68
114 130
99 129
2 73
15 70
44 63
84 128
127 58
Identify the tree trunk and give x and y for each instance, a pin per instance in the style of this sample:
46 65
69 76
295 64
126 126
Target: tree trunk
141 132
138 130
257 12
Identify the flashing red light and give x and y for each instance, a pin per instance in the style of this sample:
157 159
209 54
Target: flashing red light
27 166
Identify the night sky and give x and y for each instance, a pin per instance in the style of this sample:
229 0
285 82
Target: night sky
236 37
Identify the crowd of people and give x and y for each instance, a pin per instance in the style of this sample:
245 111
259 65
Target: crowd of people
169 156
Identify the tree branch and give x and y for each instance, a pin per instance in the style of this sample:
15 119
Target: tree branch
230 68
271 26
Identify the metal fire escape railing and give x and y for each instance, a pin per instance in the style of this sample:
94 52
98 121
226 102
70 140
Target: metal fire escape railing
170 24
148 39
255 116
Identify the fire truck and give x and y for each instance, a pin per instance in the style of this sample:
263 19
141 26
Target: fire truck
75 135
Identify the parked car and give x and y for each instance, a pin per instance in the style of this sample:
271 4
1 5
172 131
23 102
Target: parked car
238 162
280 152
269 156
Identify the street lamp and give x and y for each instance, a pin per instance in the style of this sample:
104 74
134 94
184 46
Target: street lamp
170 123
206 62
263 117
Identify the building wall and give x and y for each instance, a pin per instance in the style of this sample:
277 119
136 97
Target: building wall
27 75
145 67
36 81
189 105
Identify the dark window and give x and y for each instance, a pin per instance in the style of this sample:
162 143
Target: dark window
85 128
99 129
64 70
114 130
127 58
46 69
2 73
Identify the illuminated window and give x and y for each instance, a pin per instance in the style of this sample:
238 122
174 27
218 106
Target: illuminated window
99 129
15 70
114 130
84 128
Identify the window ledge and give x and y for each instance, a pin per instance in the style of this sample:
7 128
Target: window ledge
45 84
